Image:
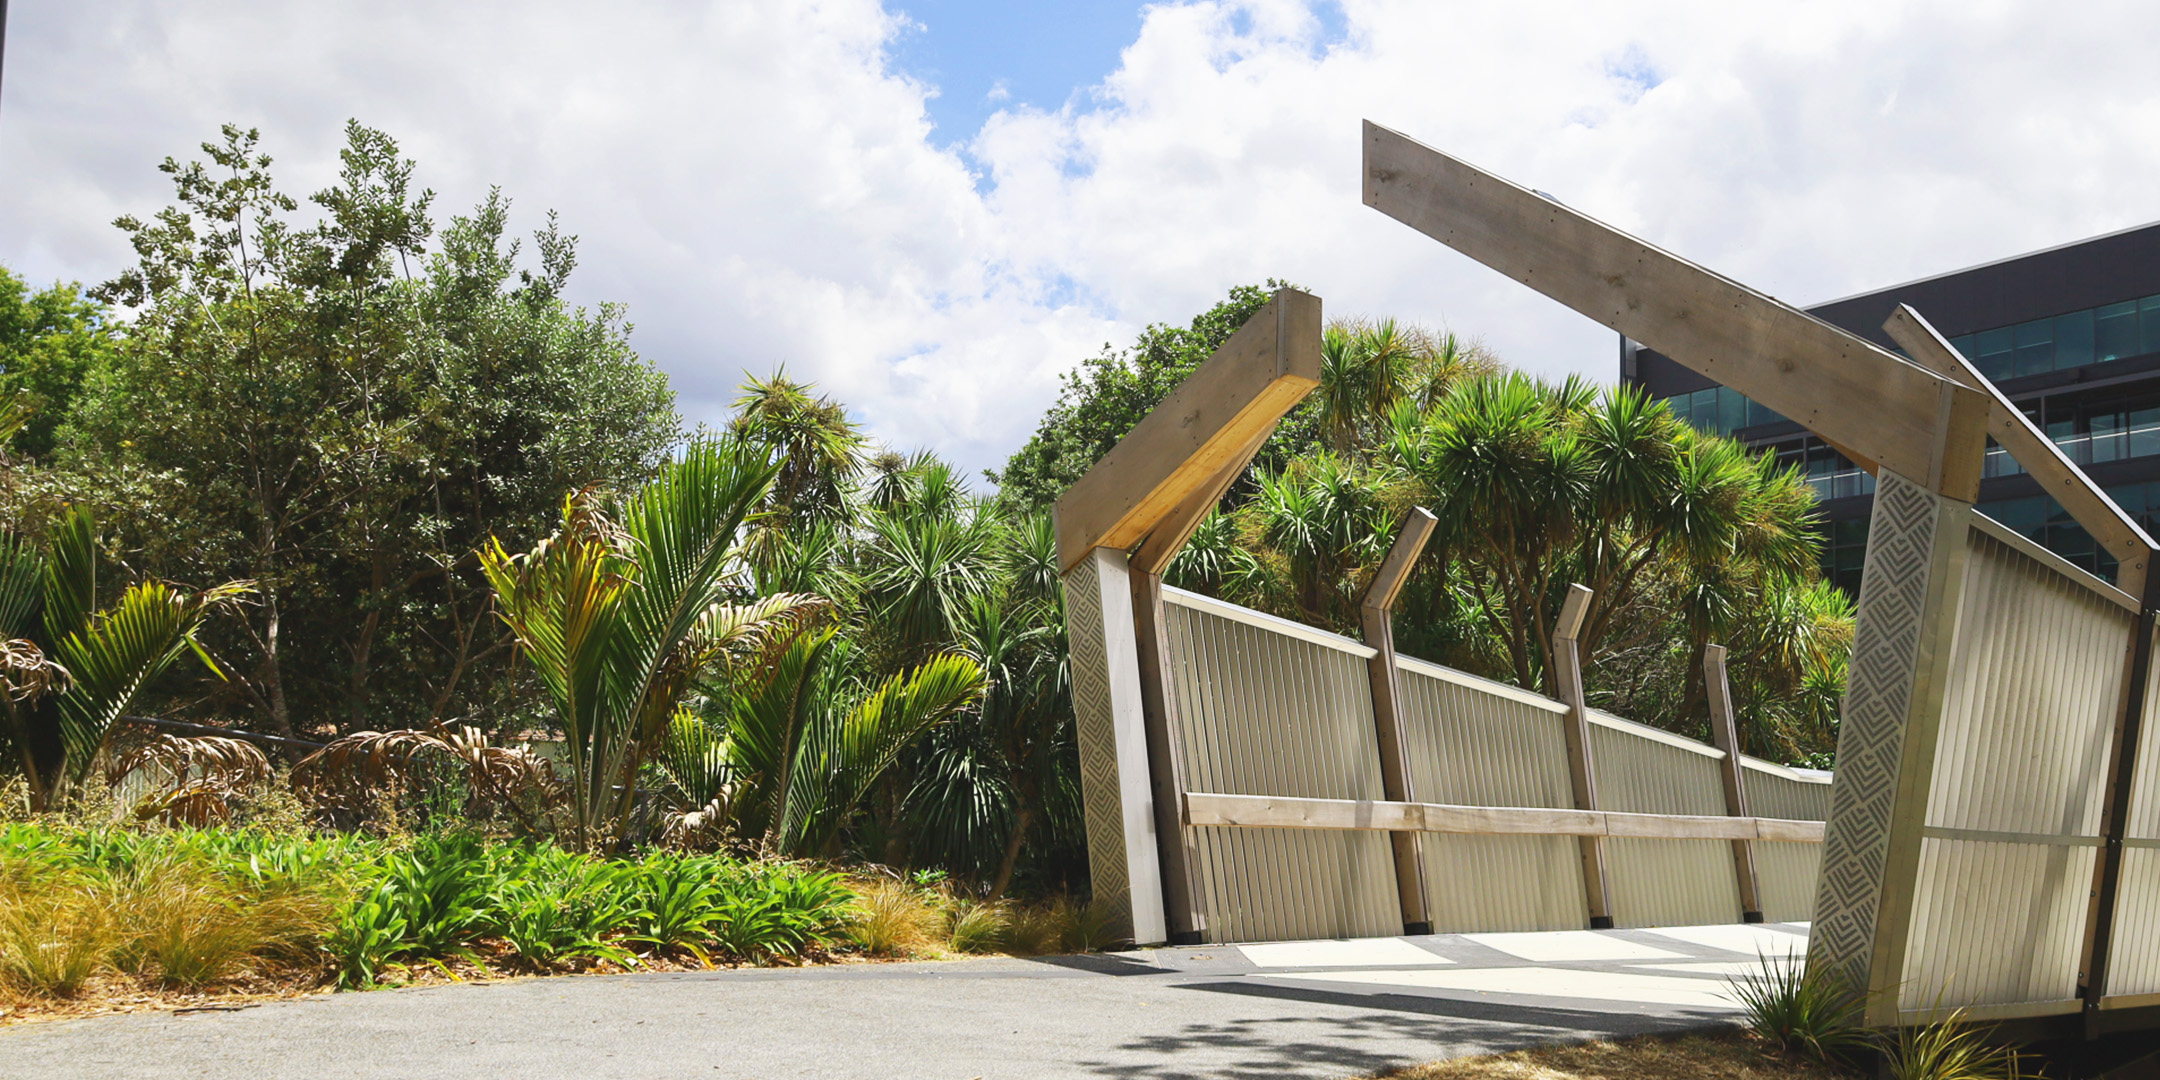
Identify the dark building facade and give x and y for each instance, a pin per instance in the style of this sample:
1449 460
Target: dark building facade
2071 334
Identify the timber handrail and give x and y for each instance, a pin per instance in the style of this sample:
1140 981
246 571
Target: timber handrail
1284 812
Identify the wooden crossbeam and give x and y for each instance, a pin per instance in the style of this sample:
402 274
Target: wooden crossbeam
2045 462
1281 812
1865 399
1204 426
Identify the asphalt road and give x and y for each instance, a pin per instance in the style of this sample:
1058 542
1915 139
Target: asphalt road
1206 1012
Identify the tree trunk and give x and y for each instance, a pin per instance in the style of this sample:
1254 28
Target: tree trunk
1021 823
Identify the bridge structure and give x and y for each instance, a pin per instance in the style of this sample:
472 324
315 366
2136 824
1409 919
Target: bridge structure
1991 839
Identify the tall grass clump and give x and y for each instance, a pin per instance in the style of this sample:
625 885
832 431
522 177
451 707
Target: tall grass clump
192 926
894 918
1947 1049
57 928
1802 1009
976 927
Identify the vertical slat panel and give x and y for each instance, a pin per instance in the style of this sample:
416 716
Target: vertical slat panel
1663 882
2134 959
2036 672
1477 744
1786 875
1272 713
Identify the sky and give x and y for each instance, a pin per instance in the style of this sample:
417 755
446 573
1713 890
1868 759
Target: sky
932 208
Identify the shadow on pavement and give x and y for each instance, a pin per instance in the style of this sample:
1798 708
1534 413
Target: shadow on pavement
1271 1047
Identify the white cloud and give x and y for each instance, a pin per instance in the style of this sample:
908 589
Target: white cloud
761 188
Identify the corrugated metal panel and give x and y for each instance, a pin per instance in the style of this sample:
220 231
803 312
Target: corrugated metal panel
1264 712
1771 795
2134 961
1995 923
1478 744
1785 880
2036 668
1663 882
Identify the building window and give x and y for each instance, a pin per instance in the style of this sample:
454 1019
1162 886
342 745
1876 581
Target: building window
1720 410
2059 342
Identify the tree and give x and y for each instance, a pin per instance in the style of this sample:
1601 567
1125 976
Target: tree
627 607
343 413
69 669
49 341
1110 392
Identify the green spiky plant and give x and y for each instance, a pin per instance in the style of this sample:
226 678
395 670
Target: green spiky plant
1802 1010
805 741
628 606
72 669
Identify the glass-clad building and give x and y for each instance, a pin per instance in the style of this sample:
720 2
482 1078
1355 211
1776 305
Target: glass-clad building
2071 334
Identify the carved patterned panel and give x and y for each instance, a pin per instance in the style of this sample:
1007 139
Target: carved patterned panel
1097 737
1871 733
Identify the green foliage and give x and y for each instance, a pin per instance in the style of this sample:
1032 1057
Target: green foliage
73 669
624 608
1802 1010
1110 392
1948 1049
50 341
342 405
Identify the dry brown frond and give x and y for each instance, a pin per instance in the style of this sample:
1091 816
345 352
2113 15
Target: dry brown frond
350 773
26 674
194 779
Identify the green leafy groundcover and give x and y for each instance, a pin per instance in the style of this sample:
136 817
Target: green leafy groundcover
382 903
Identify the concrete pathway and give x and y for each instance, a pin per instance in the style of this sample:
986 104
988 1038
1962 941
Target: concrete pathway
1324 1009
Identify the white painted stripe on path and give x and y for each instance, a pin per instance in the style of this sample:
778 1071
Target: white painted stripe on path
1358 952
1570 946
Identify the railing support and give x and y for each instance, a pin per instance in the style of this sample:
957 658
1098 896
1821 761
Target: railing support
1582 773
1725 733
1377 611
2123 750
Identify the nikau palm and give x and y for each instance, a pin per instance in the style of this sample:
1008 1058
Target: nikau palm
72 669
627 606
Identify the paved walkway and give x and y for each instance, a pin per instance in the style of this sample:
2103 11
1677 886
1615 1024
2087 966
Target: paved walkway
1323 1009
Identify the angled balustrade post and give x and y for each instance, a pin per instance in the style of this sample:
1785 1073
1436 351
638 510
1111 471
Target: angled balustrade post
1725 732
1118 528
1582 770
1377 612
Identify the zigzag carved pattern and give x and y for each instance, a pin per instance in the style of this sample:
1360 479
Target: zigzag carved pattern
1095 728
1871 734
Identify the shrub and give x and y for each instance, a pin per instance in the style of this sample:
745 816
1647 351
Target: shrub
366 935
558 906
1947 1050
442 892
677 899
978 928
892 919
1802 1010
190 926
57 928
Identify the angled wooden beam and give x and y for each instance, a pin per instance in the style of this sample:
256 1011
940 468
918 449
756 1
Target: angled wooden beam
1265 368
1884 411
1582 769
1725 732
1377 610
2059 476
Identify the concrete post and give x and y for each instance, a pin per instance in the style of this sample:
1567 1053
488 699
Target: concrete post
1115 780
